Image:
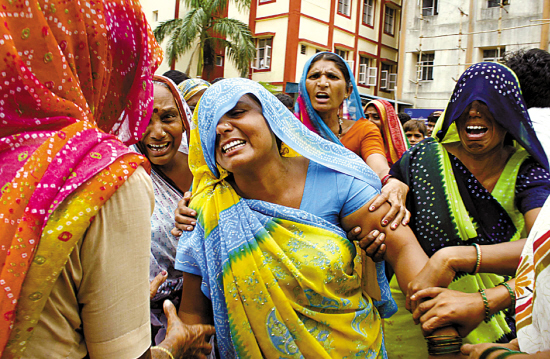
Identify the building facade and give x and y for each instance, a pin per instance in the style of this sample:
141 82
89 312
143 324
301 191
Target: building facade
288 32
440 39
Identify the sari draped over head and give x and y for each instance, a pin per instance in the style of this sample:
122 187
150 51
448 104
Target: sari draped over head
281 280
68 72
163 243
450 207
351 109
191 87
395 142
533 287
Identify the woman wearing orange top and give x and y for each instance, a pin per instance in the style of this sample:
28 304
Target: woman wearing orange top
382 114
329 104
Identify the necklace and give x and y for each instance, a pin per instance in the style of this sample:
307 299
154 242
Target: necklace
340 122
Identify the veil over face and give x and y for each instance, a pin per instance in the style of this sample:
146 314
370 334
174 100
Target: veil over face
498 87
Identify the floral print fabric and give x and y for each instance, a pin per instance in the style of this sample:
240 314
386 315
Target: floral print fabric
260 262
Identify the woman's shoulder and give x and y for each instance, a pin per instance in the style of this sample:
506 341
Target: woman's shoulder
364 125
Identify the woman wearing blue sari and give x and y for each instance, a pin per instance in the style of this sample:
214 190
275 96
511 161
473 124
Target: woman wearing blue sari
270 267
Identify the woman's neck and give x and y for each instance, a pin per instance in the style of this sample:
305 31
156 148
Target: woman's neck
178 171
330 118
280 180
487 167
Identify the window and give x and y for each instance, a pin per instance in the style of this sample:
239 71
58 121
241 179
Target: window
219 60
155 15
496 3
388 77
493 55
425 69
343 7
367 74
368 11
262 60
389 20
303 49
429 7
342 53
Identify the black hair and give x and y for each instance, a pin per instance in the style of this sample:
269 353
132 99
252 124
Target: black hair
287 100
176 76
403 117
330 56
216 80
532 67
434 116
415 125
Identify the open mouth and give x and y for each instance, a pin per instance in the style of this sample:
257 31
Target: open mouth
322 96
233 145
476 131
158 148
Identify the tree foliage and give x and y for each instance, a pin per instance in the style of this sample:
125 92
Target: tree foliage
213 32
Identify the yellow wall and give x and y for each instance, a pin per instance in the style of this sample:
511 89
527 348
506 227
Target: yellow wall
279 26
319 9
313 30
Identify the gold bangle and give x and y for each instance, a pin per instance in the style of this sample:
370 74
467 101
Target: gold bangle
478 259
164 350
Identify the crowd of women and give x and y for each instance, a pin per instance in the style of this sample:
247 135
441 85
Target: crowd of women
321 232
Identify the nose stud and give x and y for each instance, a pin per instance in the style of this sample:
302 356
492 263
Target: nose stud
163 133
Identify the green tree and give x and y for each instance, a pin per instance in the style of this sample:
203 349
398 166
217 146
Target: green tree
214 32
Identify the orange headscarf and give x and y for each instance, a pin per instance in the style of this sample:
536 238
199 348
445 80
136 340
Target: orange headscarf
73 75
395 143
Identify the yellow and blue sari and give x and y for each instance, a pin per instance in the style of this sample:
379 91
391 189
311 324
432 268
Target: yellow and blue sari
282 281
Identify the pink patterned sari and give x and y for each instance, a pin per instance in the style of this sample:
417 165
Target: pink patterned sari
73 77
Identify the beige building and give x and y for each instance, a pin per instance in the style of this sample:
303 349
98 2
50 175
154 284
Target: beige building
288 32
440 39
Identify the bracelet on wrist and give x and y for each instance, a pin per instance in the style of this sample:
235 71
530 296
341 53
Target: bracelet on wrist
478 259
164 350
491 350
444 344
486 305
507 354
512 306
385 179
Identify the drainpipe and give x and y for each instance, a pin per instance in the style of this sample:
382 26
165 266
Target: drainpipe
545 28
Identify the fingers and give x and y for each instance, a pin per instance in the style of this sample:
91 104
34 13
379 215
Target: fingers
407 217
372 242
176 232
393 216
379 255
354 234
400 217
426 293
378 201
170 311
185 217
208 330
466 349
156 282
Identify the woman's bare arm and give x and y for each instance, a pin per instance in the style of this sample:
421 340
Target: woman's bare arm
403 251
394 192
195 308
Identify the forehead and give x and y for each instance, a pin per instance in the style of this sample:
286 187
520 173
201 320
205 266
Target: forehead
325 66
371 109
163 92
